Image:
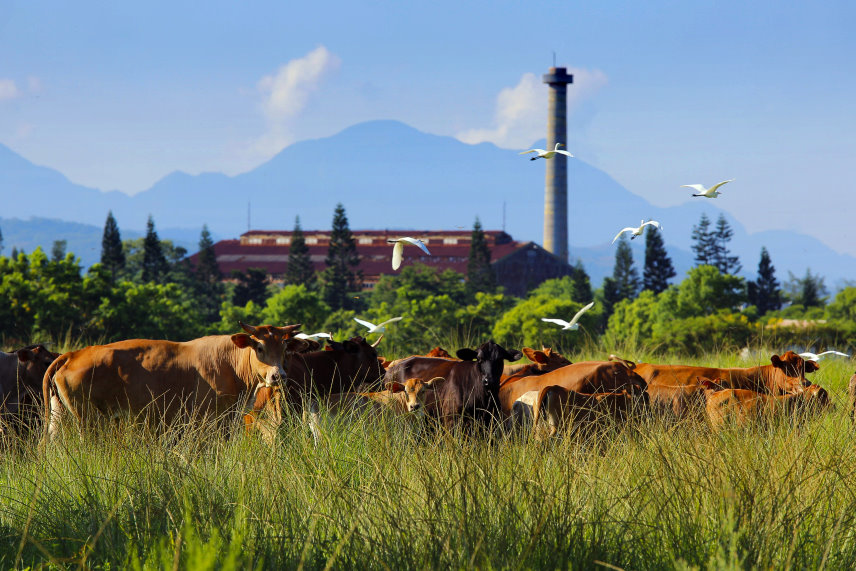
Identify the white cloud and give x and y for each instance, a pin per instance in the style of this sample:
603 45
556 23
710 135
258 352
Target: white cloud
521 111
285 94
8 89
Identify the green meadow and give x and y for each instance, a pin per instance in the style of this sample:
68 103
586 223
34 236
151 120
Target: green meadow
385 493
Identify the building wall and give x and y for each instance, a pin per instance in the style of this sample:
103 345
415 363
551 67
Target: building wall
527 267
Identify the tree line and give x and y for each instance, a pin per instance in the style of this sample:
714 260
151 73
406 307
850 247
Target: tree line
148 288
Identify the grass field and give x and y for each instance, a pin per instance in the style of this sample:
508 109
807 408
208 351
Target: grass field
378 494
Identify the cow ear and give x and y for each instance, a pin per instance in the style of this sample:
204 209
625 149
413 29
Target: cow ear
777 362
243 340
513 355
394 386
24 355
336 346
466 354
811 366
535 356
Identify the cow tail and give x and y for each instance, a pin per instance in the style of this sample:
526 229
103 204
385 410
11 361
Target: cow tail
47 383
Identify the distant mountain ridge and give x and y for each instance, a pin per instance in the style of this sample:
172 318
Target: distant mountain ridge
390 175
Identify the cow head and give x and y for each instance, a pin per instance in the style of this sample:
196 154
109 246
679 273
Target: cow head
789 373
489 360
415 391
367 366
270 345
33 362
438 352
546 359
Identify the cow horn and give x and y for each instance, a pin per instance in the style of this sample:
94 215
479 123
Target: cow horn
376 343
248 328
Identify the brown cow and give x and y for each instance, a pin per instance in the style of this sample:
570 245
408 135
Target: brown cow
785 375
21 374
586 377
742 405
202 376
472 384
543 361
556 407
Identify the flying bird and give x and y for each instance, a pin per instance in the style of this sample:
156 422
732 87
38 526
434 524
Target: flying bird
313 336
815 356
572 325
376 328
706 192
638 230
542 154
398 249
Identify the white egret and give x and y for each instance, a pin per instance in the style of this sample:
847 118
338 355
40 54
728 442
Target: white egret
572 325
313 336
638 230
706 192
398 249
816 356
543 154
376 328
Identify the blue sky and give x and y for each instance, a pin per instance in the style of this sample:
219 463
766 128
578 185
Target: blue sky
116 95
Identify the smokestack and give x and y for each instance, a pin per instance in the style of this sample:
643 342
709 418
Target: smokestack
556 184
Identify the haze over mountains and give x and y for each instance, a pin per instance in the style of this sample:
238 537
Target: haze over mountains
388 175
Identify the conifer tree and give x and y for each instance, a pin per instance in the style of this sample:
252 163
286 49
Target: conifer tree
112 253
809 291
725 263
658 268
155 265
208 282
704 242
342 274
581 283
58 250
480 276
251 286
300 269
14 253
625 275
764 292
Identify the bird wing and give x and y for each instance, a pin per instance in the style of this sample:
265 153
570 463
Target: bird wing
561 322
531 151
617 236
397 251
833 353
717 185
809 356
391 321
653 223
580 312
566 153
416 242
365 323
325 335
698 187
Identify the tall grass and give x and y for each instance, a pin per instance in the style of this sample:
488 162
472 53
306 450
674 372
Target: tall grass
377 493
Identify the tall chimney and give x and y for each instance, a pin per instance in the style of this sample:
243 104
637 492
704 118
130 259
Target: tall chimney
556 184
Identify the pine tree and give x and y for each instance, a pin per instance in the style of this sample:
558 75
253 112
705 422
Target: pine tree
14 253
58 250
581 283
208 282
300 269
251 286
809 291
112 254
704 246
480 276
721 236
154 262
625 275
658 268
764 292
341 275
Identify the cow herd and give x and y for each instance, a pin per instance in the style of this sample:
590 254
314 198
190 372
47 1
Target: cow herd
266 367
